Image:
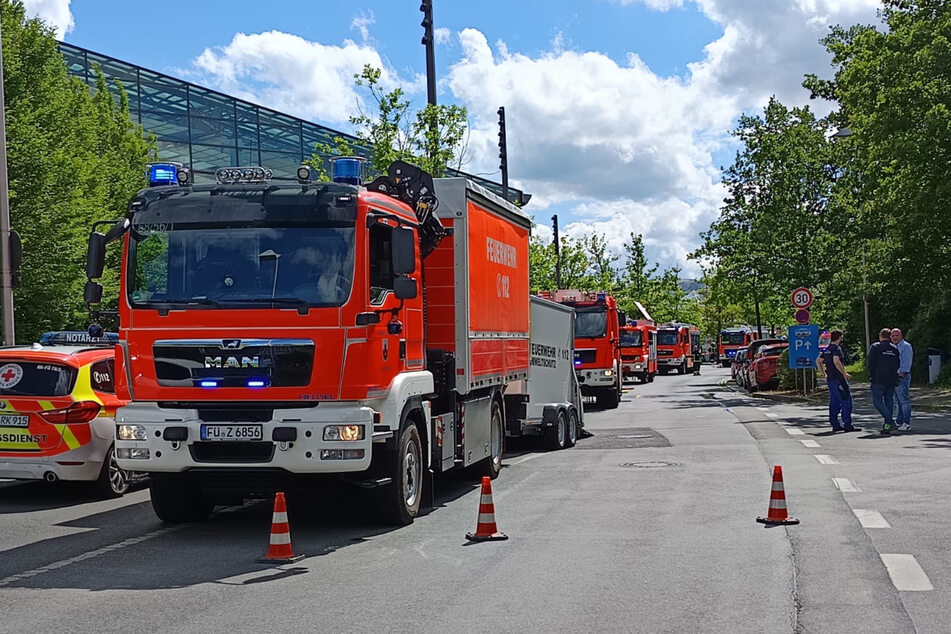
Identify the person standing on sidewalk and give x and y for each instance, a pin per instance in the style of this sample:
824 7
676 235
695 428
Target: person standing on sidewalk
882 361
902 399
830 364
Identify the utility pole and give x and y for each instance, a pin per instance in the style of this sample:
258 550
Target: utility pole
428 41
554 226
503 154
5 243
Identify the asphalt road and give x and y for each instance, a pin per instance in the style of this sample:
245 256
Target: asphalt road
646 526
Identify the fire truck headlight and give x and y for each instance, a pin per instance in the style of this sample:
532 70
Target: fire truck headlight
609 373
131 432
343 432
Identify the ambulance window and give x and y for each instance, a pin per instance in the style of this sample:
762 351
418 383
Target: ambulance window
102 376
381 262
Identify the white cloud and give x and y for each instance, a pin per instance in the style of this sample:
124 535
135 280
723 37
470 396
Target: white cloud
55 13
442 35
362 23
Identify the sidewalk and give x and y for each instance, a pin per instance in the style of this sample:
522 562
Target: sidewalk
922 397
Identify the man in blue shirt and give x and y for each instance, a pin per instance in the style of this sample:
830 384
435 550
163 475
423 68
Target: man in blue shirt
906 354
831 364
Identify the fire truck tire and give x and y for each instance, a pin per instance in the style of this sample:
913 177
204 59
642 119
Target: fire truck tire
573 430
556 436
662 370
402 497
113 481
493 464
650 377
609 398
175 500
725 364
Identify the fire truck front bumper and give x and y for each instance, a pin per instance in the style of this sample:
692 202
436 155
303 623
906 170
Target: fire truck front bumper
672 362
604 377
331 438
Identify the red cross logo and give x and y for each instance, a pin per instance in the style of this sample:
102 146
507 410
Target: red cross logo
8 376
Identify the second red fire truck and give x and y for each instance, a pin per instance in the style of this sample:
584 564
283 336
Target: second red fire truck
678 348
639 351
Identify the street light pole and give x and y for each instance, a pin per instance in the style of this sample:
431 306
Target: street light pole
7 282
426 6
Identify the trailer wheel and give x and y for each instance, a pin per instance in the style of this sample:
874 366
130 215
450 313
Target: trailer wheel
556 436
572 438
493 463
403 495
175 500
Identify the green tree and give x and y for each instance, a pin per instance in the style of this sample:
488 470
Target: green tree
74 158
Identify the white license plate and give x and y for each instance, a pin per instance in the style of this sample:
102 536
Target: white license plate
7 420
232 432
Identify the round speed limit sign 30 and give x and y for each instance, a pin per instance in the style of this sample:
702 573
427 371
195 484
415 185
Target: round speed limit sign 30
802 298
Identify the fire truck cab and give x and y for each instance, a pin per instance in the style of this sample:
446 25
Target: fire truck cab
731 340
639 351
678 347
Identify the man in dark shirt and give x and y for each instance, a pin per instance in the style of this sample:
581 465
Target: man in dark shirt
831 364
883 359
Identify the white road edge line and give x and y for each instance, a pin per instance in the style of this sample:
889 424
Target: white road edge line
845 485
772 415
812 444
824 459
871 519
792 431
907 575
530 456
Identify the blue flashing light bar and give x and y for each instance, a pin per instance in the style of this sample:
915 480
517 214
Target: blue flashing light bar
208 383
602 297
347 170
163 174
577 361
256 383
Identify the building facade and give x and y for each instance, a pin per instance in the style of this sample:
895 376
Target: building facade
204 129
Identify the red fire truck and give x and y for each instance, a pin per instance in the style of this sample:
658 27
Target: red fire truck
272 333
678 347
597 344
731 340
639 350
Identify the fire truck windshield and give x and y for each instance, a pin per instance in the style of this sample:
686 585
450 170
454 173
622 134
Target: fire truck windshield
666 337
733 338
591 322
215 266
631 338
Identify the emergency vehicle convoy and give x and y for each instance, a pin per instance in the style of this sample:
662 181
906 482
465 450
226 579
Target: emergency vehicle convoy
597 344
731 340
639 350
678 347
271 334
57 402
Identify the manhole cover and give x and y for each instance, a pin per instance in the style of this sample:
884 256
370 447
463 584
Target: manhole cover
650 464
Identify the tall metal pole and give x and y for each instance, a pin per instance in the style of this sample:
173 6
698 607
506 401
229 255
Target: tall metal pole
503 154
427 8
7 290
868 340
554 226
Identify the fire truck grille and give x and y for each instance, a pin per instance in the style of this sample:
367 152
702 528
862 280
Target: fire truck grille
664 353
232 451
629 357
235 415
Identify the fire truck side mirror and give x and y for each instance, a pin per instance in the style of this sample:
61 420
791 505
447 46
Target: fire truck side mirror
404 288
92 293
96 255
404 251
621 318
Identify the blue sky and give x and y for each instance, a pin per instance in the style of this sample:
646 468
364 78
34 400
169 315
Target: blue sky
618 111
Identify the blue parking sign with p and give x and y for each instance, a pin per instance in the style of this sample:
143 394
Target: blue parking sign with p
803 346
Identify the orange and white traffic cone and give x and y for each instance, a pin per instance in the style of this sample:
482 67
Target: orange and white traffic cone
486 530
777 503
280 551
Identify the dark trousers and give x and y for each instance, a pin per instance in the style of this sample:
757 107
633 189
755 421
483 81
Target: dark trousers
840 401
883 398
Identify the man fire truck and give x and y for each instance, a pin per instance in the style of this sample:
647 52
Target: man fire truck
639 350
731 340
597 344
678 347
271 334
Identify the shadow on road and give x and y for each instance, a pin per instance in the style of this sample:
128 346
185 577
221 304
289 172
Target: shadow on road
30 496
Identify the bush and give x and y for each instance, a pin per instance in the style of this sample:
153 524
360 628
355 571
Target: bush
790 379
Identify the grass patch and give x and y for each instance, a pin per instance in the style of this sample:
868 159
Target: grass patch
858 371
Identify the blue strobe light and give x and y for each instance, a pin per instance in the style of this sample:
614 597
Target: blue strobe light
347 169
163 174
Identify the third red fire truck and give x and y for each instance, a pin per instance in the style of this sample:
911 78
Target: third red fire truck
731 340
677 347
639 350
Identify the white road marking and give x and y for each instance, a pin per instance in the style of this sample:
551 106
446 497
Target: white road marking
845 485
762 409
524 458
823 459
89 555
906 574
792 431
871 519
812 444
772 415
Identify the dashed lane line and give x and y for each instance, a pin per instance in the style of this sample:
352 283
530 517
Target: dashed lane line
871 519
845 485
812 444
824 459
906 573
792 431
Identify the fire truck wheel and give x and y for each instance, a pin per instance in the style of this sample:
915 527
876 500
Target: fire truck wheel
175 500
725 364
572 438
403 496
557 434
493 464
113 481
609 398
